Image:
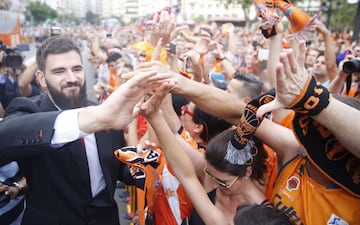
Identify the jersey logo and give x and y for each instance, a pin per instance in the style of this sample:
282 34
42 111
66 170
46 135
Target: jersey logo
335 220
293 183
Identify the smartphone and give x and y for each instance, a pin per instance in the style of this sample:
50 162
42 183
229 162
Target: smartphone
263 54
172 48
186 64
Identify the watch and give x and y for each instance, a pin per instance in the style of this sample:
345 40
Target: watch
18 186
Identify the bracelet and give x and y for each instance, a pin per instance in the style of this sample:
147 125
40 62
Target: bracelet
18 186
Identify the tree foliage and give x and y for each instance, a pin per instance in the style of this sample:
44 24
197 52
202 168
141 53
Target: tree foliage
41 11
69 19
341 15
92 17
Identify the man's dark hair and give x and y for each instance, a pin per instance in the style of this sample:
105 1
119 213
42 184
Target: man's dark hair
252 214
113 57
54 45
252 87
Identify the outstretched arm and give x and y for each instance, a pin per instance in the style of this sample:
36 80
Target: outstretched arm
117 111
210 99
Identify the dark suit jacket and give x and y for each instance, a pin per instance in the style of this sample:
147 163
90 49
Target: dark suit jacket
58 179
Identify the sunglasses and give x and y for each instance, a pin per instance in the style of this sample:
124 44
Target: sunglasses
218 181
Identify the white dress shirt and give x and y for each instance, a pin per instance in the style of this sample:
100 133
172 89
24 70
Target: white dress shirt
67 130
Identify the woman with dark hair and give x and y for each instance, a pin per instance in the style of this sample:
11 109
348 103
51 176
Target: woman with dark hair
230 184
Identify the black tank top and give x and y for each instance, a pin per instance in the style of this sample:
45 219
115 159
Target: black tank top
195 219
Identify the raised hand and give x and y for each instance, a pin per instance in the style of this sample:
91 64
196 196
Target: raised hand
118 110
290 80
203 45
163 24
151 104
152 66
193 61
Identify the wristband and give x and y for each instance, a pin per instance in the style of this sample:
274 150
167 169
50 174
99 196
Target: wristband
248 121
312 99
241 148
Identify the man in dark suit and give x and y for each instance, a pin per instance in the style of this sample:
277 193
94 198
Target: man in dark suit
65 146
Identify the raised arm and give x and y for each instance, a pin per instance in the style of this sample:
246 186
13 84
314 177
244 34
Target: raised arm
211 99
25 79
330 55
286 147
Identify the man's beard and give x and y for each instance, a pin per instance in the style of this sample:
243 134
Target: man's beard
68 102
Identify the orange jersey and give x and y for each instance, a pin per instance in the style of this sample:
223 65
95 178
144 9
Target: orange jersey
165 196
307 202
